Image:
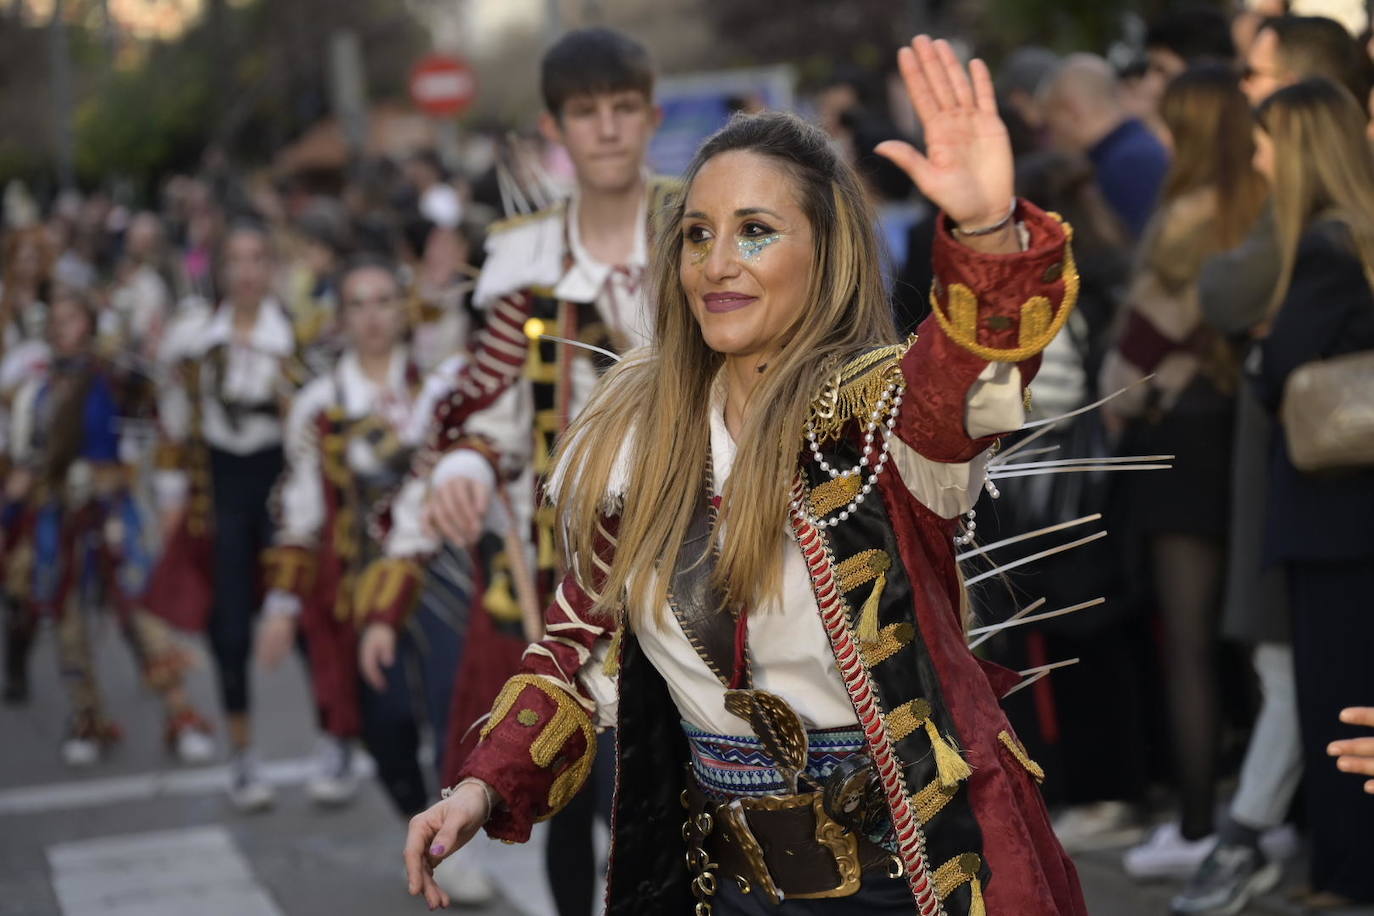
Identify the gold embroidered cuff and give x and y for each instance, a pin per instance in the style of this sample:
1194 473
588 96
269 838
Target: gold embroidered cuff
1038 321
548 748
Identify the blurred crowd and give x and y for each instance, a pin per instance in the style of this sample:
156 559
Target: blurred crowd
1220 186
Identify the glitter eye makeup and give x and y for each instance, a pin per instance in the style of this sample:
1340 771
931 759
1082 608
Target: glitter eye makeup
701 251
751 248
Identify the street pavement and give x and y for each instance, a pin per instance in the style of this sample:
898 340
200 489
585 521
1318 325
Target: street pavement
138 835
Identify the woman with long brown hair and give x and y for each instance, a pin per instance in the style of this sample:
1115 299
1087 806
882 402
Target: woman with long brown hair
1210 198
760 511
1311 143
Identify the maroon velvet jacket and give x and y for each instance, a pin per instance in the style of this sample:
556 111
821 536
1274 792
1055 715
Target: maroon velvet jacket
971 843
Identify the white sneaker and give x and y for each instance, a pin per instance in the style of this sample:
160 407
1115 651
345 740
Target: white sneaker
335 782
194 746
465 884
248 792
1098 825
80 752
1166 854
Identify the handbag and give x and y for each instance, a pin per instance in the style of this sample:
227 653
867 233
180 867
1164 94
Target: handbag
1328 413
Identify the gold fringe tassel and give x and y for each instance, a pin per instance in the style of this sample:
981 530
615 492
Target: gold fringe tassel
611 666
952 768
868 617
976 907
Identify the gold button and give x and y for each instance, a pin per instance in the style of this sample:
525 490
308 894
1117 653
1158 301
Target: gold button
527 717
1054 271
970 862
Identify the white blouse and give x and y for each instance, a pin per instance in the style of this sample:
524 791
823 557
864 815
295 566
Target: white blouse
790 652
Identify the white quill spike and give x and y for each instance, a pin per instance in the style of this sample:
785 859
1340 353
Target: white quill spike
584 346
1007 567
1064 462
1032 675
1033 606
1007 475
1005 542
1086 408
1018 621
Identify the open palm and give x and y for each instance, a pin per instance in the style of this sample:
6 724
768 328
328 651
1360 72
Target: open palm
967 167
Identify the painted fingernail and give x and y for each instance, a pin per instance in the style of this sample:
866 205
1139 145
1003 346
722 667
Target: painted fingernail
436 850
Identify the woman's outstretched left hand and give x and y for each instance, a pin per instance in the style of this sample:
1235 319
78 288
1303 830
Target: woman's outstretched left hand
967 166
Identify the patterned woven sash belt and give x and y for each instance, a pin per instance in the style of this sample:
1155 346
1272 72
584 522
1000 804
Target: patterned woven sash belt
730 766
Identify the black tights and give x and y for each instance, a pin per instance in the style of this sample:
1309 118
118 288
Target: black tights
1187 576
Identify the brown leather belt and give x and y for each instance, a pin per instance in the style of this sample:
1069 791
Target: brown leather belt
785 846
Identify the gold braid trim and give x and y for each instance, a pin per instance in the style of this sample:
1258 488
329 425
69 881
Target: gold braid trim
906 718
288 568
547 748
1019 752
862 568
892 639
957 872
833 494
851 392
963 330
931 800
382 583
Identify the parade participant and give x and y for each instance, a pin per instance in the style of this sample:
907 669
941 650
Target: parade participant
234 367
576 270
760 512
80 541
140 299
349 441
26 262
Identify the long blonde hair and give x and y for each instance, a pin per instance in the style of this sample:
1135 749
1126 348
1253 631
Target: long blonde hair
1323 168
657 400
1209 119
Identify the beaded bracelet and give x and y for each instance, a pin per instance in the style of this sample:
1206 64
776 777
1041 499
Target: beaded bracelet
487 791
988 230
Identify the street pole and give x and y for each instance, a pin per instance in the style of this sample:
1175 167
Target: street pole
348 85
59 62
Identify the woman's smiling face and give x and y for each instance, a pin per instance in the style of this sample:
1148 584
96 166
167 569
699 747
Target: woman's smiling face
747 253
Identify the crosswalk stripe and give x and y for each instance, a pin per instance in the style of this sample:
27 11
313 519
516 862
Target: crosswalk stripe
164 873
110 790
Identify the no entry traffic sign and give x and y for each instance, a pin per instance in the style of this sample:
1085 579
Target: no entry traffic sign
442 86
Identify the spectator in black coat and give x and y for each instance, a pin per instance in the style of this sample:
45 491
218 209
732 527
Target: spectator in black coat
1320 527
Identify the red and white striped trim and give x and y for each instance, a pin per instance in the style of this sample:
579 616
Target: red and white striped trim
911 842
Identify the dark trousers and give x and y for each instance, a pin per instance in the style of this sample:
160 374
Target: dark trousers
570 856
878 895
418 687
1333 659
241 487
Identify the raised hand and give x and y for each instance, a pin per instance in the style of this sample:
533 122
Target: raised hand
967 167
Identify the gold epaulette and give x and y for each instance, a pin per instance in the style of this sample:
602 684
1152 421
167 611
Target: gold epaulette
524 219
852 391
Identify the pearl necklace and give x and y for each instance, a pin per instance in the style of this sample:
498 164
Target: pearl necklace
970 525
888 404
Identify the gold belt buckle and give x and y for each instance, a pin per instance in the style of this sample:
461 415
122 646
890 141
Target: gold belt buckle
842 844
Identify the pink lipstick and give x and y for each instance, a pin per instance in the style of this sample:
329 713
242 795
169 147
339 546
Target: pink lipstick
727 302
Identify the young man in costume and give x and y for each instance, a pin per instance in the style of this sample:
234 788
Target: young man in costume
575 271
